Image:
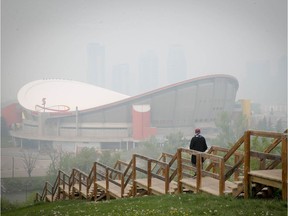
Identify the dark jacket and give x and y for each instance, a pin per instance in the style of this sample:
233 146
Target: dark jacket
197 143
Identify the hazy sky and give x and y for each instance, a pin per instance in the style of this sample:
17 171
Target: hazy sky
243 38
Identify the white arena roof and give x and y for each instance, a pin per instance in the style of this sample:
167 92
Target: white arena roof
54 95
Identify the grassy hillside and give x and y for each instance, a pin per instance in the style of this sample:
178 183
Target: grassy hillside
184 204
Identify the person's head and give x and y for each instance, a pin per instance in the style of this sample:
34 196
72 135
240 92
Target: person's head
197 131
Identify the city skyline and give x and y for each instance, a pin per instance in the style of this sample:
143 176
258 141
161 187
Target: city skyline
49 39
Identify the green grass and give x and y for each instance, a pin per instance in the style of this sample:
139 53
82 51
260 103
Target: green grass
184 204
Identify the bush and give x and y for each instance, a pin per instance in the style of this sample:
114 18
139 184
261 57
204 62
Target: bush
6 205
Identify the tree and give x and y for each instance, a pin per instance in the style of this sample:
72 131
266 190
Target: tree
85 159
279 126
55 160
29 159
109 158
174 141
230 129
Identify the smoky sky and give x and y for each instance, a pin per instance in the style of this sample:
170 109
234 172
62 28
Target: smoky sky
243 38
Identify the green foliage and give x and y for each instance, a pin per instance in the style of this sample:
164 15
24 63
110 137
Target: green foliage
85 158
109 158
67 162
150 148
153 147
279 127
184 204
6 205
230 129
174 141
19 183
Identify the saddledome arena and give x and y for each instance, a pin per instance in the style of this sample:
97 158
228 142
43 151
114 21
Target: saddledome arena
72 115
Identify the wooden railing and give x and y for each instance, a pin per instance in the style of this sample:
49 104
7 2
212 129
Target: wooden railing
278 138
126 168
79 183
172 163
219 163
50 191
146 172
112 177
184 168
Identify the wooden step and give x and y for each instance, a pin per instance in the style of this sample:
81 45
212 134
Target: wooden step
209 185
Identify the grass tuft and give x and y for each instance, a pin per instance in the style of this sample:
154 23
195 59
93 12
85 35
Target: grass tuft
184 204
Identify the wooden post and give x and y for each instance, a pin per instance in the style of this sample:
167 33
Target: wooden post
59 189
134 189
179 170
214 168
167 179
247 186
236 173
164 160
122 185
80 184
222 177
107 184
73 181
94 181
87 186
198 176
149 177
284 166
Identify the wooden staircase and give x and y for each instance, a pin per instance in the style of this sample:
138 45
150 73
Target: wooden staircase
223 172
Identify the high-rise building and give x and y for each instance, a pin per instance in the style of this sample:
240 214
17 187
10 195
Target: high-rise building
96 64
148 71
176 65
121 78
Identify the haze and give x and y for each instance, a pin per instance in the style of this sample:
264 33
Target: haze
243 38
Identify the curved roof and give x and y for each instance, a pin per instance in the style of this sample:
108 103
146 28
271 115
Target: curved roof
56 95
193 81
62 94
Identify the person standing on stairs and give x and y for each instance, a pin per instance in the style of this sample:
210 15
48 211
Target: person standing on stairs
197 143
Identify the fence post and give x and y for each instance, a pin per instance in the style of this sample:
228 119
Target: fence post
95 179
122 185
247 186
198 176
59 181
222 177
149 176
80 184
284 166
167 180
134 189
236 173
73 181
179 170
107 184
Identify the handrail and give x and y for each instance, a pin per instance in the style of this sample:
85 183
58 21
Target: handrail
109 178
169 166
266 155
149 172
199 155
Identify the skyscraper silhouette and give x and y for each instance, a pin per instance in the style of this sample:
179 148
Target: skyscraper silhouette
96 64
121 78
176 65
148 71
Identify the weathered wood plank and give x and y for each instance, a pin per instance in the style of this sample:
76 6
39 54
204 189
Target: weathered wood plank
267 177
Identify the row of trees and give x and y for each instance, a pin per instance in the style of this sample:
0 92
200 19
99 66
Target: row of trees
85 158
229 131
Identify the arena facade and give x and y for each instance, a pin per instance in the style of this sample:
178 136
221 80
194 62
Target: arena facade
109 120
